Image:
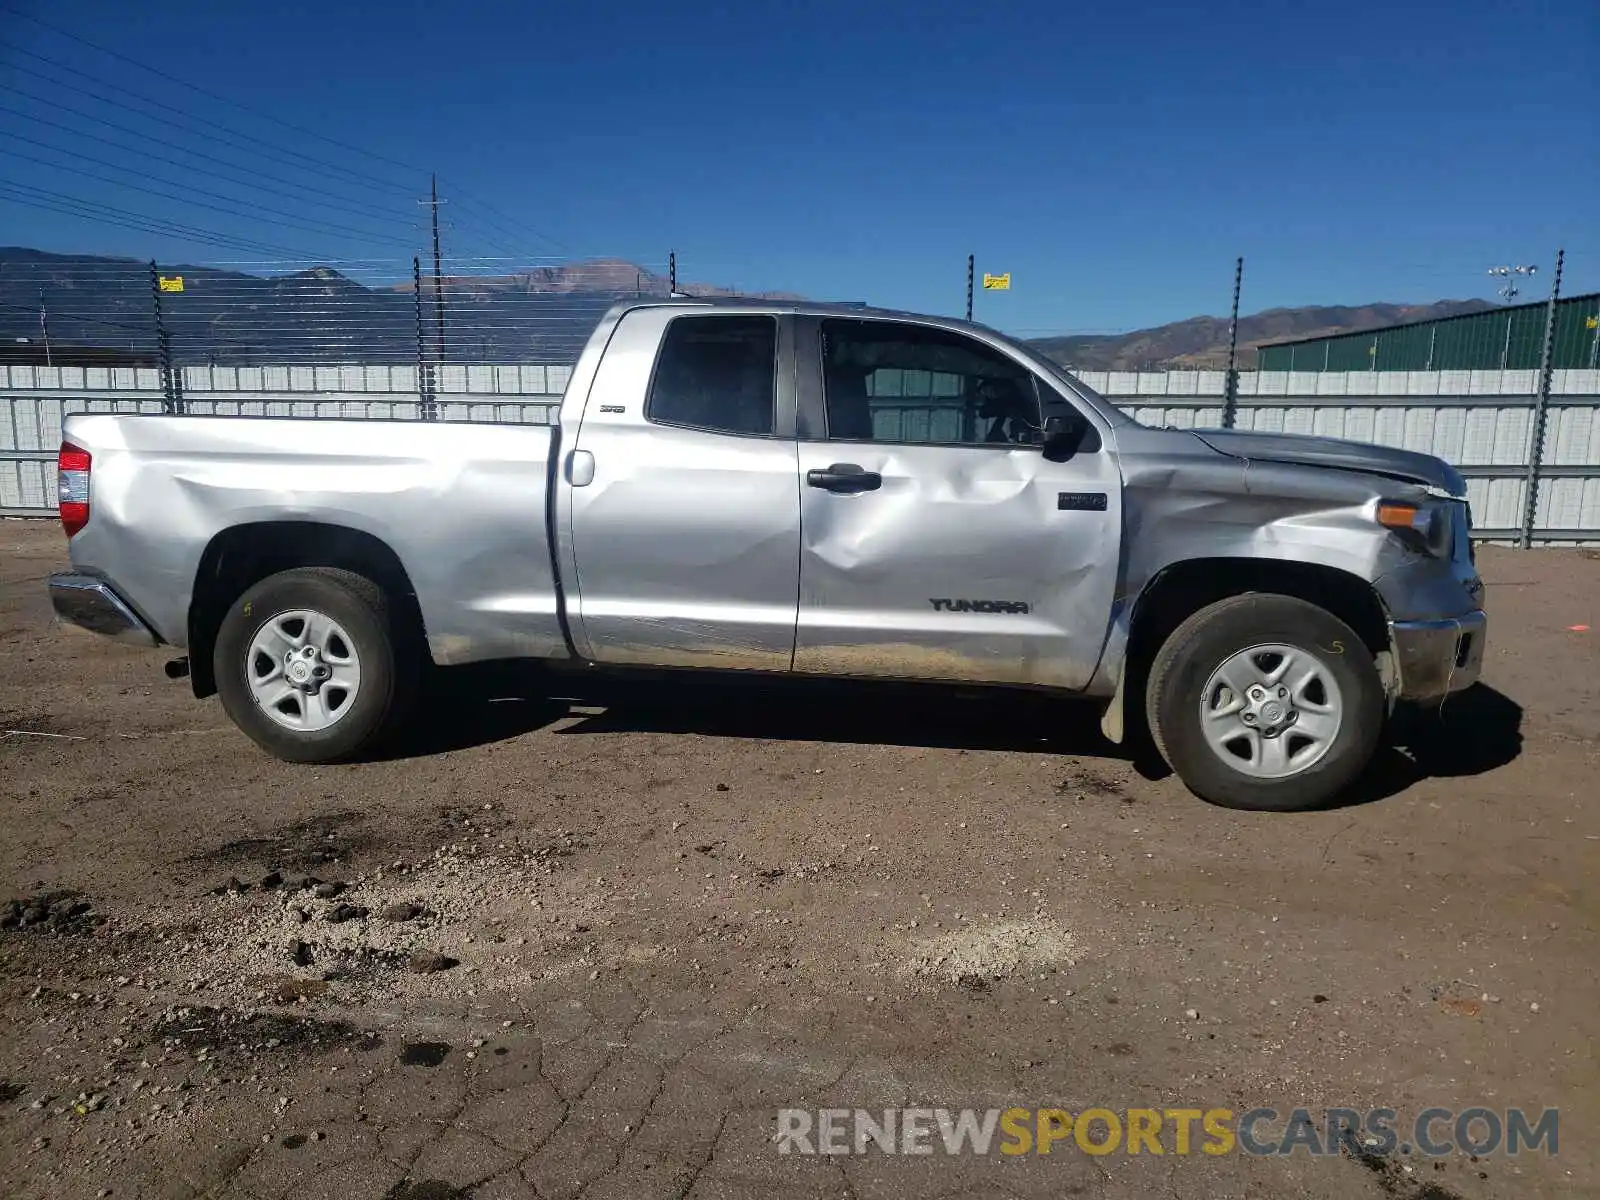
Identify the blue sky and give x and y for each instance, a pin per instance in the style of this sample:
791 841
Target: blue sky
1114 158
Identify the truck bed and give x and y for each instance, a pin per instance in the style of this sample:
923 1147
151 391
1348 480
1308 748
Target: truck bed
462 505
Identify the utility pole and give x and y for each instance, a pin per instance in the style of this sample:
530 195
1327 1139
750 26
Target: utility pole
969 286
1230 386
438 274
1541 406
44 328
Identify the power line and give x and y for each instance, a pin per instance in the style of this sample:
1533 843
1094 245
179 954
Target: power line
146 330
194 87
109 215
285 219
477 238
321 163
554 243
343 205
56 106
234 135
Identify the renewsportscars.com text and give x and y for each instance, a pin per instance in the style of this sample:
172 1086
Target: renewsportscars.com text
1433 1132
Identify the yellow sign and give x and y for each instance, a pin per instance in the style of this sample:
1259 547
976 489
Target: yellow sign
171 283
1592 323
997 283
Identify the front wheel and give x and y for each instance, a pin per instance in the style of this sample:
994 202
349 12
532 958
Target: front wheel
310 664
1265 702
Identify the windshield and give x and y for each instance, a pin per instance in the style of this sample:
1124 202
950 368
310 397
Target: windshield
1067 381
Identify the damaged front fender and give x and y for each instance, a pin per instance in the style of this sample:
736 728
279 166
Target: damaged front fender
1223 525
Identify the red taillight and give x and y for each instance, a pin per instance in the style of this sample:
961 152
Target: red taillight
72 486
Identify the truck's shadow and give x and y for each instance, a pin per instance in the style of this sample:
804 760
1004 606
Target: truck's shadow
864 713
1477 731
470 706
1474 732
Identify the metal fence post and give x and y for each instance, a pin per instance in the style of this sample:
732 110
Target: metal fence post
175 374
426 407
163 346
1230 384
438 276
1541 407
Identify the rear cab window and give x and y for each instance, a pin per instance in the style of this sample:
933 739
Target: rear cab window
717 373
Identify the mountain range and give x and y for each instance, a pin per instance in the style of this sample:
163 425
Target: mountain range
544 314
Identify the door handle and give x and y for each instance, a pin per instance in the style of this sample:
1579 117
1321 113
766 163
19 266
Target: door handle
844 478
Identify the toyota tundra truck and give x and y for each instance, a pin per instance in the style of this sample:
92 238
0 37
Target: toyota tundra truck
794 489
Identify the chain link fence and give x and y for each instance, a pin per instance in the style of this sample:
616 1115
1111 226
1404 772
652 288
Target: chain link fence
389 339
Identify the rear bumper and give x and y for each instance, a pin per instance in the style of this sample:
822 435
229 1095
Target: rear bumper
92 604
1435 658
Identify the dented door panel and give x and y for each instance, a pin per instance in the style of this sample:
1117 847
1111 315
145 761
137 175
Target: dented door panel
962 566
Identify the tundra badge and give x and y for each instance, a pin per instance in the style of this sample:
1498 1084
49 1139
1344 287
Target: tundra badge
980 606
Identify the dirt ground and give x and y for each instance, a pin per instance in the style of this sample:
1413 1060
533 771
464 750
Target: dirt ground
592 949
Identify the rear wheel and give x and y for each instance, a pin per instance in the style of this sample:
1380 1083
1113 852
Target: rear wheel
310 664
1265 702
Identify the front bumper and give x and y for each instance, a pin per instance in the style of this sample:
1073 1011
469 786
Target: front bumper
1435 658
92 604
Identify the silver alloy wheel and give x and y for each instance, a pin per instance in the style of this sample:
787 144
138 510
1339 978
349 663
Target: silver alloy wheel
1271 711
303 670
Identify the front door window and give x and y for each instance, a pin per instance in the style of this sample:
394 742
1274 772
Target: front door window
912 384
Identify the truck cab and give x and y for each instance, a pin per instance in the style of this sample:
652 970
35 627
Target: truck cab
835 493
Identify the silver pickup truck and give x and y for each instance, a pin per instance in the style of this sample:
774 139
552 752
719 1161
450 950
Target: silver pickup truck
794 489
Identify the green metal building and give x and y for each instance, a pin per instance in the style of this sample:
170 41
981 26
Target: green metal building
1509 338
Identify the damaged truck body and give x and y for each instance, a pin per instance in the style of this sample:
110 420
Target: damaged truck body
794 489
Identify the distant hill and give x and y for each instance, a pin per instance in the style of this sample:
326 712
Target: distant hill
613 276
1203 341
314 316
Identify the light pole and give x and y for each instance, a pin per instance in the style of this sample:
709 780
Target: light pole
1508 276
1508 292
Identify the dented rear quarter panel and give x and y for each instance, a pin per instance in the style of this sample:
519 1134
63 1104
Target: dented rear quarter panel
461 505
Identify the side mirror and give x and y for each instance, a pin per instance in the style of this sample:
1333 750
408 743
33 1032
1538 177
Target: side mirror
1064 435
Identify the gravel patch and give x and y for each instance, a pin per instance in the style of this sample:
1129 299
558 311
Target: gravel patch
992 951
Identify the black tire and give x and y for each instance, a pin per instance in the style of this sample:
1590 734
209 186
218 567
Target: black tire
381 644
1198 647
